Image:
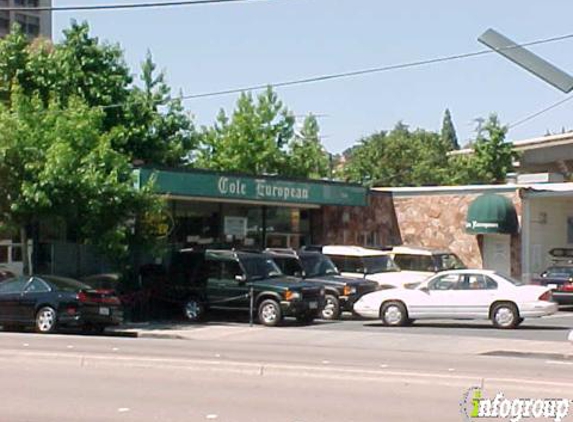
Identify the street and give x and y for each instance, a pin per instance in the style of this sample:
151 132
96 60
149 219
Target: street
344 371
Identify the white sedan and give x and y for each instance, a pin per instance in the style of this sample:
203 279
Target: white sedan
460 294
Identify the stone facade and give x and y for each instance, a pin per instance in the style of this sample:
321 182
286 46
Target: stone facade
432 220
373 225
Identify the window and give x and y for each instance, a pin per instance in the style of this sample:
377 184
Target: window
30 24
230 269
414 262
4 254
37 286
26 3
446 282
15 285
213 269
289 266
476 282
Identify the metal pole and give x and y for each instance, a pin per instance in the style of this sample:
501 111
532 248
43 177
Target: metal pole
251 306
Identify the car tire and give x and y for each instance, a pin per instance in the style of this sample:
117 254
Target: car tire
505 316
331 310
394 314
46 320
270 313
193 309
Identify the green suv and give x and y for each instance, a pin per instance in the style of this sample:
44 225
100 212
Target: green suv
224 279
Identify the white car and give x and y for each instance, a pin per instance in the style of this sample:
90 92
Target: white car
372 264
460 294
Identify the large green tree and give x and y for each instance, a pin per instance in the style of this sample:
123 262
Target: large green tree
400 157
448 132
260 138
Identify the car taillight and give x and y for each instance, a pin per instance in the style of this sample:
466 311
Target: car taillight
567 287
546 296
82 297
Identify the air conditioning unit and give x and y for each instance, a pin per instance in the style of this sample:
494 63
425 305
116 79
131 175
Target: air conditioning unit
524 179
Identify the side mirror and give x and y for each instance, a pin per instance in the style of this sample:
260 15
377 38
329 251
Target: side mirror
241 278
425 289
299 274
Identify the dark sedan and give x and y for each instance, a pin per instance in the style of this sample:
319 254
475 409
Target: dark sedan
559 279
50 302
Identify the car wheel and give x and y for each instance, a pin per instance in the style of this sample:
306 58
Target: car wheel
46 320
331 310
193 310
394 314
505 315
270 313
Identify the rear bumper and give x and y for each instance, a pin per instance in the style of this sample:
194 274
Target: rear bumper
563 298
538 309
91 317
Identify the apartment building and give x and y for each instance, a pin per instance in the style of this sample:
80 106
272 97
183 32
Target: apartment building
33 23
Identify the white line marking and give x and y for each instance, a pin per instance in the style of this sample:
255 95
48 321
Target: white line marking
115 349
123 409
325 362
212 416
558 362
25 345
451 369
70 346
384 366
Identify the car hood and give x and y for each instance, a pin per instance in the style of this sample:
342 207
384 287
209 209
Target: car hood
339 280
397 278
284 283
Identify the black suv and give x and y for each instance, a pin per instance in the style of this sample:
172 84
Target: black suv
340 292
223 279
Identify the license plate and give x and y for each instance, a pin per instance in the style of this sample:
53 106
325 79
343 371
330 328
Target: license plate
104 311
313 305
552 286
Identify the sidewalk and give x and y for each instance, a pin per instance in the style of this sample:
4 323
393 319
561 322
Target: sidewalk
299 336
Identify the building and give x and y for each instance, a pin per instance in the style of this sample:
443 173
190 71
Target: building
33 23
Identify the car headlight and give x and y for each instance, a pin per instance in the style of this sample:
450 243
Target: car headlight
349 290
290 295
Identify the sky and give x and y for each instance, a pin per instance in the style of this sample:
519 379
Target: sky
210 48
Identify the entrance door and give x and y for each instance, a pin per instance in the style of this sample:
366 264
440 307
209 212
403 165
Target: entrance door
497 253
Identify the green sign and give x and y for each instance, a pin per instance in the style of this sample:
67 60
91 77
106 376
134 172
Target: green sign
249 188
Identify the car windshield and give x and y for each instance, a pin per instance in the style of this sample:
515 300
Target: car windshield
511 280
258 268
318 265
559 272
66 284
448 261
379 264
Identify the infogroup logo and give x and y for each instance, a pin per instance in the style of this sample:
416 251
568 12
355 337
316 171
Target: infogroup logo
474 406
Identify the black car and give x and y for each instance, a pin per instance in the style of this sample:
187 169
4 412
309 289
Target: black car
223 279
49 302
559 278
340 292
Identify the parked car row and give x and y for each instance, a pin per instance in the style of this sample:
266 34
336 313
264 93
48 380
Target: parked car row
316 282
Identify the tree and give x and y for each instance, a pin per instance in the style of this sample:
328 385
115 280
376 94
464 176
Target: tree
307 157
448 133
492 157
398 158
58 163
252 140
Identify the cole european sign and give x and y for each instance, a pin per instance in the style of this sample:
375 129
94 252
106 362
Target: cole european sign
263 189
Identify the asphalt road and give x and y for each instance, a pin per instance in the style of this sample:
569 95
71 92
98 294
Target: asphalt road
261 375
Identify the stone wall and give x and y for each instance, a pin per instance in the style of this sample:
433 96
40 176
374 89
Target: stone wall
438 221
373 225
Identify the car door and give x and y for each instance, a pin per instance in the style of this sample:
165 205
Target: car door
473 295
224 290
10 292
34 291
436 300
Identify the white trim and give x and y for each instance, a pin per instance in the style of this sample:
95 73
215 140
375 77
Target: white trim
236 201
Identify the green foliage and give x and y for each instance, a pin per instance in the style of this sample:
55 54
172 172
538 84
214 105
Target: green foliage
448 133
307 157
398 158
492 158
259 138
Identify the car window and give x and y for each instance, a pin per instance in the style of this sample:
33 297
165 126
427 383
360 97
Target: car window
318 265
472 282
445 282
449 261
411 262
15 285
559 272
379 264
37 286
65 284
289 266
230 269
491 284
213 269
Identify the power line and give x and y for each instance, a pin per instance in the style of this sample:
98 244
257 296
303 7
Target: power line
361 72
103 7
540 112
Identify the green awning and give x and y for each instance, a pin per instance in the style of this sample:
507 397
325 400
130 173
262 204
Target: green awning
491 213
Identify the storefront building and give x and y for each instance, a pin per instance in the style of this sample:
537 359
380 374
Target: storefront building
213 208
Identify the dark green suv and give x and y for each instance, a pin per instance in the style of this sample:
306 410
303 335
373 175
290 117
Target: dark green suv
224 279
